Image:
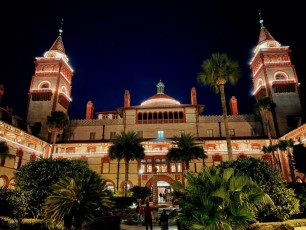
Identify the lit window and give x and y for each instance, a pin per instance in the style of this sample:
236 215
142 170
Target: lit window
179 167
110 188
280 77
172 167
17 162
160 134
232 132
210 132
112 135
181 132
105 167
92 136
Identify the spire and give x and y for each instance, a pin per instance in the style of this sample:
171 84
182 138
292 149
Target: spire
264 34
261 20
61 28
160 87
57 50
58 45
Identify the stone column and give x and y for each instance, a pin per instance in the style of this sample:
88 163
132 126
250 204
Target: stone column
155 191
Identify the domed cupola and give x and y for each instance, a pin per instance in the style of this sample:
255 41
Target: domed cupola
160 99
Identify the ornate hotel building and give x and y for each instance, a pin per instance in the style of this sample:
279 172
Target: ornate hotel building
156 121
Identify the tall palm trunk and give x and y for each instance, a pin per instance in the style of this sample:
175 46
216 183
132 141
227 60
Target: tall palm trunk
270 137
118 171
187 165
53 144
126 177
223 103
291 167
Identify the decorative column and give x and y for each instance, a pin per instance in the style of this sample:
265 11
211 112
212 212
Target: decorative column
155 191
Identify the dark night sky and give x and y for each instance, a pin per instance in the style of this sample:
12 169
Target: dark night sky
115 46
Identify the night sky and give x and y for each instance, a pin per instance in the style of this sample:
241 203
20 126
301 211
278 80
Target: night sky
115 46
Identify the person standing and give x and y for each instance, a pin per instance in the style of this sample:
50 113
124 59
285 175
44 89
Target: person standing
163 221
148 215
139 212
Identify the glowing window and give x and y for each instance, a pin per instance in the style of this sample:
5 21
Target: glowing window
280 77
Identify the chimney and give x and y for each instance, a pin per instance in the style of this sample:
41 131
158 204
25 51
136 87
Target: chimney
127 100
233 106
89 110
193 96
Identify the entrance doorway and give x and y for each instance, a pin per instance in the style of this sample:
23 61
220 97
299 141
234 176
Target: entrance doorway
164 192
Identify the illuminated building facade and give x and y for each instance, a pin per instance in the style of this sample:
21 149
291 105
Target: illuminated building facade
156 121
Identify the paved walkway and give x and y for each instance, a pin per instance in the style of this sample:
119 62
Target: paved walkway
135 227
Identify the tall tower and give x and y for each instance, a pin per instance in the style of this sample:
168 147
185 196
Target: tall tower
50 88
275 77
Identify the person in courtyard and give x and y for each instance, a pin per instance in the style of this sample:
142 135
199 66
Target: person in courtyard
148 216
139 212
163 221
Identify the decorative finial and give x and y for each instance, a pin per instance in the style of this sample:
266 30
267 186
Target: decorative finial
160 87
261 20
61 28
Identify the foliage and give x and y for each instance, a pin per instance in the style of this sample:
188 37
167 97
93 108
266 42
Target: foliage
264 104
185 149
269 149
285 144
300 191
33 180
12 205
121 193
4 151
219 65
57 122
220 199
141 192
271 181
299 158
74 200
216 71
127 146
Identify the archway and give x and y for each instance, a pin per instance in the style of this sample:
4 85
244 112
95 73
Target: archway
163 187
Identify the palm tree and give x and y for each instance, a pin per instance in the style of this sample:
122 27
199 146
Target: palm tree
216 71
74 200
185 149
286 145
113 154
220 199
127 146
5 151
264 106
57 122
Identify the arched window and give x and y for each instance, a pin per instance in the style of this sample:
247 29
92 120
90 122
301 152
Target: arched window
259 83
160 115
150 116
165 115
139 116
280 77
149 165
44 85
64 90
